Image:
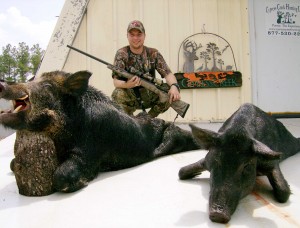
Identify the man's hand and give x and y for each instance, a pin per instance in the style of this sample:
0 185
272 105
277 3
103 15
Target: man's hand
133 82
174 94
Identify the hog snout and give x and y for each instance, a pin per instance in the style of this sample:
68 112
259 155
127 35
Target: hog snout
223 201
219 214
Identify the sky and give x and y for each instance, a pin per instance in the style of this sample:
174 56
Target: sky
29 21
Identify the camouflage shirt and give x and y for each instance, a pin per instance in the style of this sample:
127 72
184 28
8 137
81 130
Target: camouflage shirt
147 62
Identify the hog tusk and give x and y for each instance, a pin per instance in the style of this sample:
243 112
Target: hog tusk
17 109
23 98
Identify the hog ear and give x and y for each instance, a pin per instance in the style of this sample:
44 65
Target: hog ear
78 82
204 137
263 150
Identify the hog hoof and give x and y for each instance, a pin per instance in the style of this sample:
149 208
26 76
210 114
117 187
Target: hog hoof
282 196
192 170
185 173
62 184
67 178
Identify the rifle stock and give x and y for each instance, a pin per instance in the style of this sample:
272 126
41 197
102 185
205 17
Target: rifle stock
179 106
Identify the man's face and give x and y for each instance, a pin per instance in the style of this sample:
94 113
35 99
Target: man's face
135 38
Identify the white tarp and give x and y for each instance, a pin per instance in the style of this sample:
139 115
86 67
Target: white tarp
149 195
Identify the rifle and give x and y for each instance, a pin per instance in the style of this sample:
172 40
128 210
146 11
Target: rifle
179 106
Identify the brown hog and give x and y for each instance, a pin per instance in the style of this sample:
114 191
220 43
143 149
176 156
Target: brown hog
91 133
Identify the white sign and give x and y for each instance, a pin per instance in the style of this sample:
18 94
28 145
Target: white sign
283 18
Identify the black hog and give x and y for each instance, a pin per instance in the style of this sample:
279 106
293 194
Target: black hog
90 132
249 143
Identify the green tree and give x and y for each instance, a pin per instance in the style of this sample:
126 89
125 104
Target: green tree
36 57
8 63
23 61
17 63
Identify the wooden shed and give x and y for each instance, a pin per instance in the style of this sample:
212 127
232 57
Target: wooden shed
98 27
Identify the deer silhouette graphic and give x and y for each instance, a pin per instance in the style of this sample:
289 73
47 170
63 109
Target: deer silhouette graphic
190 48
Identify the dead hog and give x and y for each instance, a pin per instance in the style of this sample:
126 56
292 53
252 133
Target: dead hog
249 143
91 133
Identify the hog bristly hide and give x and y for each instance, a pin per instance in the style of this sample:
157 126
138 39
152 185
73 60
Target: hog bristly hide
248 144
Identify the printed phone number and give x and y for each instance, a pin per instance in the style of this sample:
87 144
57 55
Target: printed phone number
277 33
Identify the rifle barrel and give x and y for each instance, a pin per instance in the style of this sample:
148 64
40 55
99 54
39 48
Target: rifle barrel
87 54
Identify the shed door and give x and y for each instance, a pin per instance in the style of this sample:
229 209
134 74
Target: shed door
275 47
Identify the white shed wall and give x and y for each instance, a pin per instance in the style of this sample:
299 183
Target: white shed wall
167 23
275 58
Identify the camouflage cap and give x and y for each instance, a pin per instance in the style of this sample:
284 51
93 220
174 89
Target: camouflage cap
136 25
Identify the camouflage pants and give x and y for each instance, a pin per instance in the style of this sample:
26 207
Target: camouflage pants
127 99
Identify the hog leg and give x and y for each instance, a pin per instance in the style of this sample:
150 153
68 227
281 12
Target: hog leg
167 143
68 177
175 140
192 170
280 186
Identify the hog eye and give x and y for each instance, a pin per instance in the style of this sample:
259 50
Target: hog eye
47 86
248 168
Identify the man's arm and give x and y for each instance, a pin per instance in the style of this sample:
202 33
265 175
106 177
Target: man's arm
174 92
131 83
164 70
